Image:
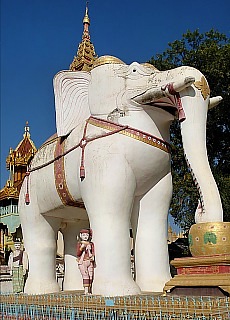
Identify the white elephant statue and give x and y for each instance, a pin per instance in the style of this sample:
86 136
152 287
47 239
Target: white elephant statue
109 167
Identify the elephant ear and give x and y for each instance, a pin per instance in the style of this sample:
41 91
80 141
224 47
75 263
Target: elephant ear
71 99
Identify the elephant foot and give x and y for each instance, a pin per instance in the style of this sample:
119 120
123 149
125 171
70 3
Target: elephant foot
153 285
72 285
40 287
115 288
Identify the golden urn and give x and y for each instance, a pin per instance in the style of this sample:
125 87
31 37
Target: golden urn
209 238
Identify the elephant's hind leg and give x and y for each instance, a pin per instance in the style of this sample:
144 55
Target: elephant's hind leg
151 248
40 240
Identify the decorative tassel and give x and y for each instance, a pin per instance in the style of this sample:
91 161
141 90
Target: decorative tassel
27 199
82 172
83 144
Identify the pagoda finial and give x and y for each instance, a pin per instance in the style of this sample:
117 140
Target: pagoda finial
85 57
86 17
27 130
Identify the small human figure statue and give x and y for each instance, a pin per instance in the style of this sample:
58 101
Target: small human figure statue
18 266
86 259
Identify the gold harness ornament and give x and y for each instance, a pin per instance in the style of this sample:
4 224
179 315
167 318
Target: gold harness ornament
132 133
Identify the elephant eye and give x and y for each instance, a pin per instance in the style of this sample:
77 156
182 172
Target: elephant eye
134 70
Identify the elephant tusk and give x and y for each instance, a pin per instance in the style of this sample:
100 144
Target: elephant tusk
151 95
213 102
178 86
181 85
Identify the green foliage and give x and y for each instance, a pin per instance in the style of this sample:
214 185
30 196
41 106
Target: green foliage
223 183
210 53
185 194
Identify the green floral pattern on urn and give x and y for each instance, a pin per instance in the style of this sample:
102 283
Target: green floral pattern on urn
210 237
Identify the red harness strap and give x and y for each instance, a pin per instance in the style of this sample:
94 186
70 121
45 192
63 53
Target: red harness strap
59 170
58 160
60 180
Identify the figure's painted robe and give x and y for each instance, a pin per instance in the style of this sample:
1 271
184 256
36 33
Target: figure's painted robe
86 262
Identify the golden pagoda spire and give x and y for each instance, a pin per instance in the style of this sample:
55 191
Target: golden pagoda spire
23 153
83 61
17 162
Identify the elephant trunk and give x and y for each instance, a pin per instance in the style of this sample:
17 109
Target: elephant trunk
193 131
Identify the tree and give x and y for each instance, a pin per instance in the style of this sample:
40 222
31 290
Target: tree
209 53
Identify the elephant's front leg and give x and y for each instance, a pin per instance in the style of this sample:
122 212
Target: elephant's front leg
108 195
151 248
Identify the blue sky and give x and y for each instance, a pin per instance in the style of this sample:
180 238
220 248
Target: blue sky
40 38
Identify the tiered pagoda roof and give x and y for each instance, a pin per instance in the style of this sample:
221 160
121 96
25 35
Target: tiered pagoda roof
16 163
85 56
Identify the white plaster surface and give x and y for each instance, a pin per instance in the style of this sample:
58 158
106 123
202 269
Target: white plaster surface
126 180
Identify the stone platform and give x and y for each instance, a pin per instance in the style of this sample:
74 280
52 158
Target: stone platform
75 305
